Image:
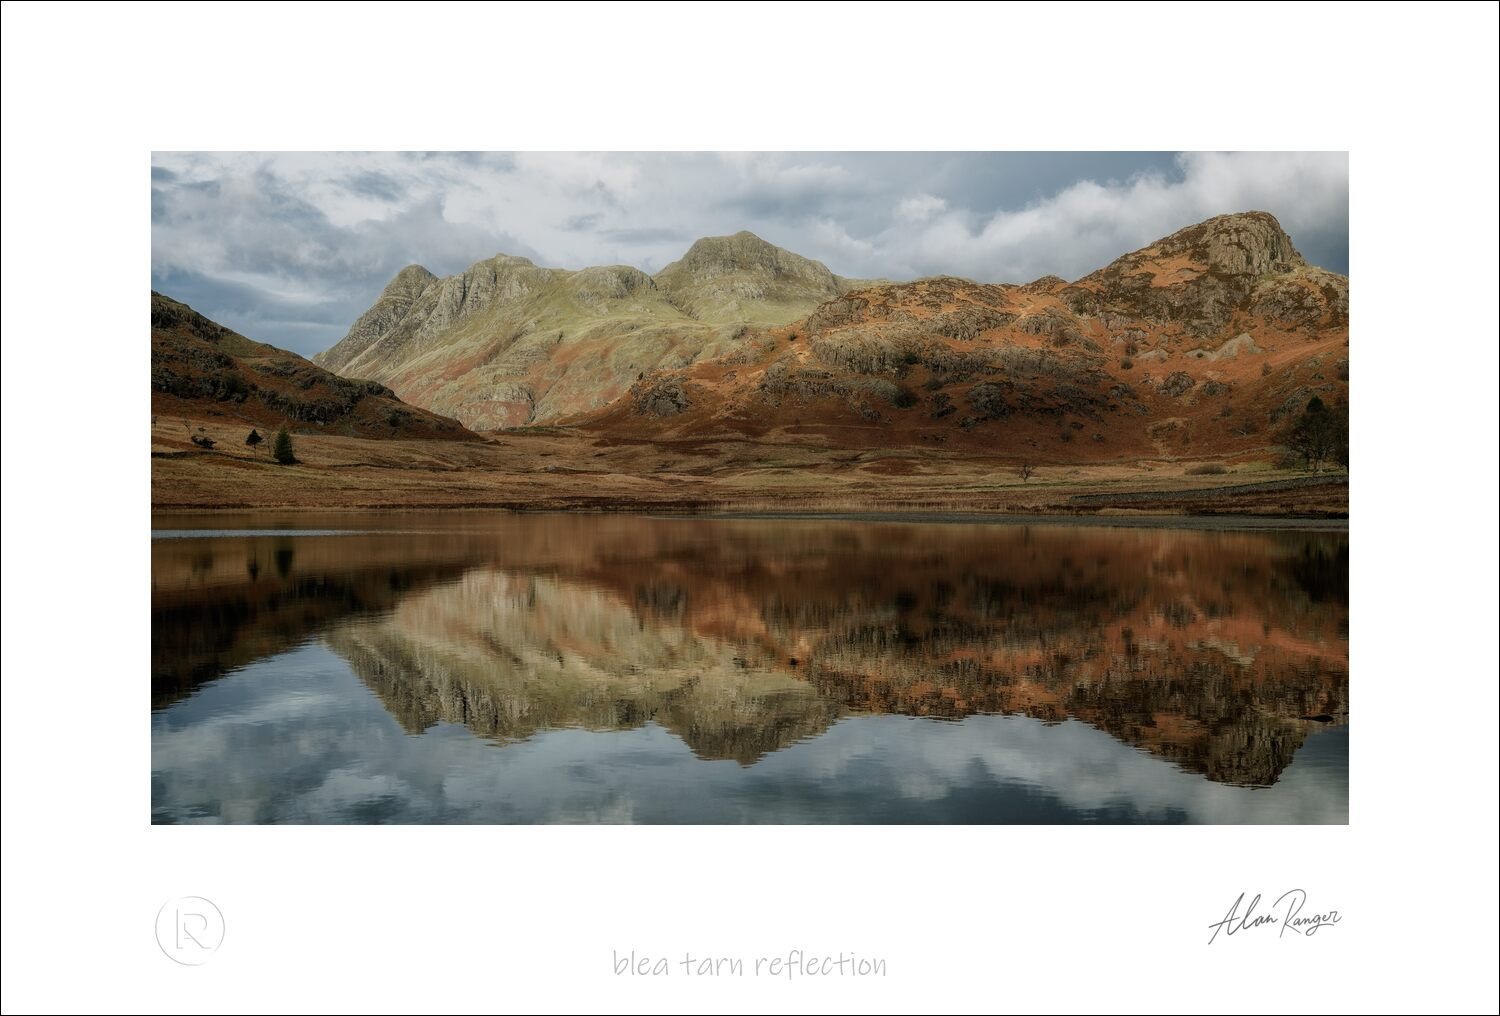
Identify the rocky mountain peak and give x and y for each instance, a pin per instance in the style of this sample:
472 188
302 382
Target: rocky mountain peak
1244 243
609 282
1046 284
508 261
404 289
715 256
745 279
409 281
1200 276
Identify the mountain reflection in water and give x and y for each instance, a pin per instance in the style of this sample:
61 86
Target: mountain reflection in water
1219 653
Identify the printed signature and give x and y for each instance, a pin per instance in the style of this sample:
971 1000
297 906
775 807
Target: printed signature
1286 914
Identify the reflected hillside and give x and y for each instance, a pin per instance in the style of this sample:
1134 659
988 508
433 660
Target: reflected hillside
1220 652
509 655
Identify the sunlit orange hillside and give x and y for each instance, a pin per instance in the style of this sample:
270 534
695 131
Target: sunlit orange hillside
1202 344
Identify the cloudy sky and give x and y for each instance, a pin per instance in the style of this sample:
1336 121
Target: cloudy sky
290 248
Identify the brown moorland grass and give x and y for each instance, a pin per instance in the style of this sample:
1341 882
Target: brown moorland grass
563 468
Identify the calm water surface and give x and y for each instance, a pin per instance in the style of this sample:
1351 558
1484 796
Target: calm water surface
498 668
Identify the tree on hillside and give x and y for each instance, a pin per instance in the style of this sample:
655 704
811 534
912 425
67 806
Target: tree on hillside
253 439
1025 471
281 450
1319 435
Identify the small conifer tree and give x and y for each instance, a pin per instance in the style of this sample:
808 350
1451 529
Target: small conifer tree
281 451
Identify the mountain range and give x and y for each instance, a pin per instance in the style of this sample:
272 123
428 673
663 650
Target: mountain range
746 377
506 343
1202 340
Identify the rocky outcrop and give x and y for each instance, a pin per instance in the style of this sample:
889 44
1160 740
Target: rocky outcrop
598 287
1177 383
1249 243
1201 276
837 313
1241 345
1046 284
659 396
1313 298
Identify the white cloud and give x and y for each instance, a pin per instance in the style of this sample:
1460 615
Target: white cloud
296 737
920 208
1089 224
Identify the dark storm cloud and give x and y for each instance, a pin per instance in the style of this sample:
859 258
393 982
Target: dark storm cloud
291 247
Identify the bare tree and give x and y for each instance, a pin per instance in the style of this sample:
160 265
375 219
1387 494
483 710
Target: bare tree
1025 471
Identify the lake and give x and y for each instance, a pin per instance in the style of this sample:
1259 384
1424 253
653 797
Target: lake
503 668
